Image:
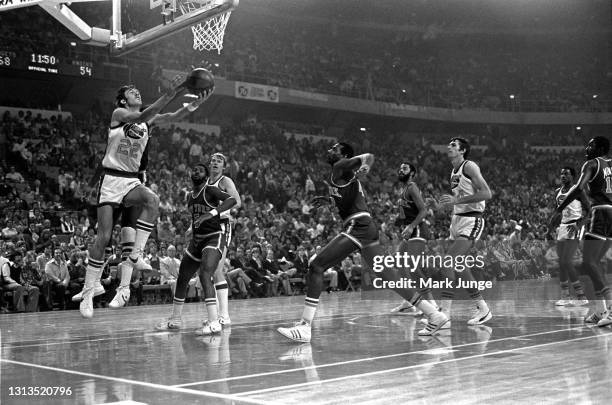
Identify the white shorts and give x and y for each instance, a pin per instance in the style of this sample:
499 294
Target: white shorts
466 227
568 232
114 188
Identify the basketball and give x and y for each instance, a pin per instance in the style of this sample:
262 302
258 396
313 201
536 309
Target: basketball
199 80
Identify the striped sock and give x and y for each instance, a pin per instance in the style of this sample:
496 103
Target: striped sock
128 235
606 293
310 307
143 230
94 268
211 308
177 307
222 298
446 301
475 296
600 302
577 286
565 289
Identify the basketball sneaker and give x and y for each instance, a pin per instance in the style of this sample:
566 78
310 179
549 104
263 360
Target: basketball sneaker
86 305
140 264
172 323
480 316
606 318
580 302
406 308
122 297
224 320
595 317
98 290
300 332
209 328
435 322
565 301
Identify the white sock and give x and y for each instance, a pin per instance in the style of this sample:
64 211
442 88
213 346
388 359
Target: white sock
143 230
222 298
177 307
211 308
92 274
310 307
125 268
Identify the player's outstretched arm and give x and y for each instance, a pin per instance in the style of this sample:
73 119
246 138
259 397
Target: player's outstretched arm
183 111
123 115
360 164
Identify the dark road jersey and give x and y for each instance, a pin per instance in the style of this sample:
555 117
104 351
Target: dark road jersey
408 207
349 198
600 186
207 199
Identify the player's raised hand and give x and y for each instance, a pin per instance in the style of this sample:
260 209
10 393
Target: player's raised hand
320 200
202 97
174 85
363 170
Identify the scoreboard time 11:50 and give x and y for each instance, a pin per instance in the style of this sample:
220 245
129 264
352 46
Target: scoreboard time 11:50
45 63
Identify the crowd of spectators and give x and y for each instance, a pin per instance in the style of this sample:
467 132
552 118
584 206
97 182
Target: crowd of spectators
48 206
429 59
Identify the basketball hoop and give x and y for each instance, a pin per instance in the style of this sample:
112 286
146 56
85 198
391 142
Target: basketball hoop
208 34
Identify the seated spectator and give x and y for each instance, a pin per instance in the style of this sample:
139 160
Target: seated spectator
57 273
66 225
76 270
31 276
237 271
169 268
9 232
14 176
272 266
11 272
257 273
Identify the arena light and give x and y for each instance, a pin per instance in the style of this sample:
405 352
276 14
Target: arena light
362 129
511 96
595 95
578 128
73 44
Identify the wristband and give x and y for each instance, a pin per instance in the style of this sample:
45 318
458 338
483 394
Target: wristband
191 108
213 212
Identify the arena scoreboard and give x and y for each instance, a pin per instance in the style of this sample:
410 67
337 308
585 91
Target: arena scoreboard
45 62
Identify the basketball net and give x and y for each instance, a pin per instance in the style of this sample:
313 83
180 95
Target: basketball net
207 35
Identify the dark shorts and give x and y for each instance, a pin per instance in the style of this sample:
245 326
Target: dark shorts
198 243
360 229
601 222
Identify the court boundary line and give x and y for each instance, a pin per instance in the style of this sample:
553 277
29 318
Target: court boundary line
372 373
387 356
145 333
170 388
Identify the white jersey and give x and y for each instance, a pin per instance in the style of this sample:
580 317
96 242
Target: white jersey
226 214
462 186
126 144
572 212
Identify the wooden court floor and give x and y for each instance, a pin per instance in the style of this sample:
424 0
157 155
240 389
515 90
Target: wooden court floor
529 353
